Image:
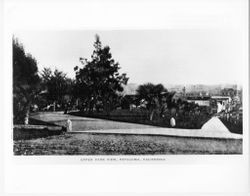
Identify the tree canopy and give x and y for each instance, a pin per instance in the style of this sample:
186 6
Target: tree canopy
157 97
56 85
25 82
99 81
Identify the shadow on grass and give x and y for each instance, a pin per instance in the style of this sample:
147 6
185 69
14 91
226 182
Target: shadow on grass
36 129
33 121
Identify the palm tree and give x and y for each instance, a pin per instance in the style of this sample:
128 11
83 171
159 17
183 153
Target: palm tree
25 82
152 94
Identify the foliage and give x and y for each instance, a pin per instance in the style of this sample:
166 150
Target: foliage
127 100
99 82
57 85
25 82
157 98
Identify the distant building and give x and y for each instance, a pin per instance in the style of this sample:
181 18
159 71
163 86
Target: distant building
230 92
201 101
223 103
179 95
226 99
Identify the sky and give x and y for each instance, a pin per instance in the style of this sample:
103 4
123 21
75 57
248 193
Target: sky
170 56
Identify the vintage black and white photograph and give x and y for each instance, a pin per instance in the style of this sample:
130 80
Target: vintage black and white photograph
127 92
125 97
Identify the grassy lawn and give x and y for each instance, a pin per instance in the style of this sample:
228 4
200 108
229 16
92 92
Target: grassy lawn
110 144
84 124
188 121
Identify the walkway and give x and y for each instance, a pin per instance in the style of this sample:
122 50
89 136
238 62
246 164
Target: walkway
214 128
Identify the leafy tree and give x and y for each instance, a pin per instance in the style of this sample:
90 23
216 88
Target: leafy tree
25 82
156 97
56 85
99 81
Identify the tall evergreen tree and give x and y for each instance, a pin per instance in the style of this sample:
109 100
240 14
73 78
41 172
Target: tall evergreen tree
99 81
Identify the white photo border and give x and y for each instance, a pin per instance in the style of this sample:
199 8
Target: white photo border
197 174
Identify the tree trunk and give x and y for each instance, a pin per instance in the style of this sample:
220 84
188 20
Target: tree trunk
107 109
90 108
54 107
151 115
27 114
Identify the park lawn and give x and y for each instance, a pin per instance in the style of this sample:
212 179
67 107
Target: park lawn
141 117
114 144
